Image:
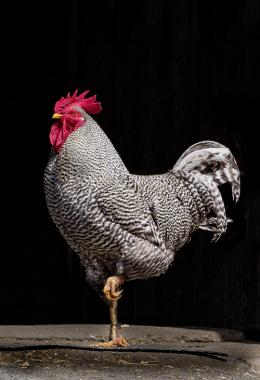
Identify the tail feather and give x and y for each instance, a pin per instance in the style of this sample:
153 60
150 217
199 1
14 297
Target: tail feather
211 223
218 208
212 164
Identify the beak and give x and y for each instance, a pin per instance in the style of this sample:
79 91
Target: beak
56 116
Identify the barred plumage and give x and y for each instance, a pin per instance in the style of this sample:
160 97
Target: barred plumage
132 225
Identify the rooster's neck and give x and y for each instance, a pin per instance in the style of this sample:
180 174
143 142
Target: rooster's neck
88 152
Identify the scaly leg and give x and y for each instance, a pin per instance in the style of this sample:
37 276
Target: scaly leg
112 294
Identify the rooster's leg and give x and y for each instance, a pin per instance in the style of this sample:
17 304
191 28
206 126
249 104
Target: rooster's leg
113 294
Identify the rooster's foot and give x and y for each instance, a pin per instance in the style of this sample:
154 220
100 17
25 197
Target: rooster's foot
117 342
111 288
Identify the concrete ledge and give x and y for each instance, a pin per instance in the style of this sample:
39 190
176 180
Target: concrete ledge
140 334
185 340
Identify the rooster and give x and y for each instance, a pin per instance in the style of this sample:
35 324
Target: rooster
122 226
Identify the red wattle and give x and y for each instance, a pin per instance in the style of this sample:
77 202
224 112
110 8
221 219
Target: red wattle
60 131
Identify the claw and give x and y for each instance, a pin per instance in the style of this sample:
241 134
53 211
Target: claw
110 289
115 296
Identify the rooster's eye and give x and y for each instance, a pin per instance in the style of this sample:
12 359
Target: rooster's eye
77 115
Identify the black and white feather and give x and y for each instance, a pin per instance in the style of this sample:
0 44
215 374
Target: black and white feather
119 223
212 164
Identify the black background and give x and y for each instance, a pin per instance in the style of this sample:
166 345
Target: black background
168 73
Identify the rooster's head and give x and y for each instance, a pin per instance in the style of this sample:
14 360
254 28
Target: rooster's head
68 117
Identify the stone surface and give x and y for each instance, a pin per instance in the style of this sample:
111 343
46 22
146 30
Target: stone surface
55 351
139 334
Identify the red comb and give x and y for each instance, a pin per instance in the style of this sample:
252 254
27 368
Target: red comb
90 105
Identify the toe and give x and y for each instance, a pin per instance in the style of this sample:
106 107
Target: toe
110 289
122 342
118 342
